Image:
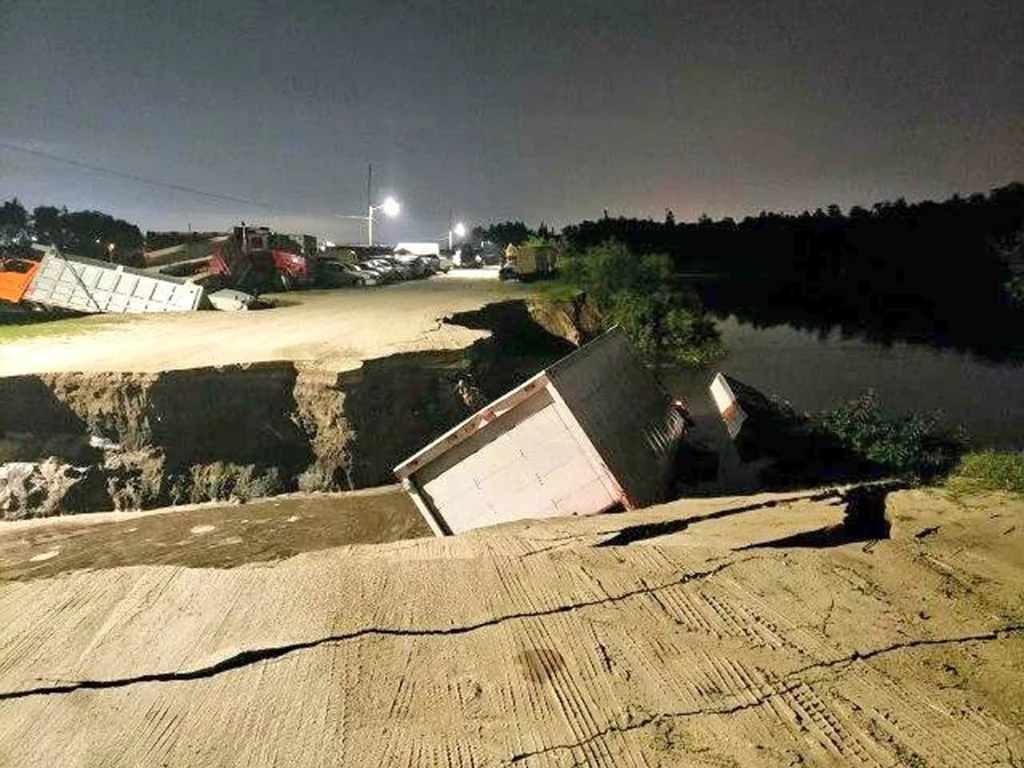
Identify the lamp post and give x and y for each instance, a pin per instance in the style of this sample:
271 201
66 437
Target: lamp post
459 230
390 206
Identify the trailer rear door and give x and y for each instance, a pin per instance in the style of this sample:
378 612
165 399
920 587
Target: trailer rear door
528 463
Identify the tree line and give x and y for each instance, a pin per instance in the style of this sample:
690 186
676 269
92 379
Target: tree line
85 233
948 273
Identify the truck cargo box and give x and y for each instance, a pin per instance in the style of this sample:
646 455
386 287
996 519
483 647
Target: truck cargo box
590 433
88 285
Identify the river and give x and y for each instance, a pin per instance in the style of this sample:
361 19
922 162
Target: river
814 373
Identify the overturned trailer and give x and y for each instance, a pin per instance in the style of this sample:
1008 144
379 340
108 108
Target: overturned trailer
592 432
89 285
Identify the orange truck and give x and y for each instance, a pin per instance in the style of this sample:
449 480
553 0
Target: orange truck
16 275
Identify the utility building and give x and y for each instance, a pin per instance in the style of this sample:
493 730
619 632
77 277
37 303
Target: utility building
593 432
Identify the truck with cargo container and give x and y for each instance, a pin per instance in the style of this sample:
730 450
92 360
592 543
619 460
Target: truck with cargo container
528 262
256 259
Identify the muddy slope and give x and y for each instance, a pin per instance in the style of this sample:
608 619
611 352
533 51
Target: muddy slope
80 442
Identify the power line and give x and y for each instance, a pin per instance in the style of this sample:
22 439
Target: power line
141 179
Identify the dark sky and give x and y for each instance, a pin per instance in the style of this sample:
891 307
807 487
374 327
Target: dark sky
539 110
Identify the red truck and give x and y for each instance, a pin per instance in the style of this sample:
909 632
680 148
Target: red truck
254 259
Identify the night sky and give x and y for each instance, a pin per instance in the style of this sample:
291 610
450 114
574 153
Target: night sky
534 110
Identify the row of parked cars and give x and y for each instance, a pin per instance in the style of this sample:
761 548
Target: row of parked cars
379 270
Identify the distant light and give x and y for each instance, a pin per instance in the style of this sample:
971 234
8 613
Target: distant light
328 244
460 229
391 207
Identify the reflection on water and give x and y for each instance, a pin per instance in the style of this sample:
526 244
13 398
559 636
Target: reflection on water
815 373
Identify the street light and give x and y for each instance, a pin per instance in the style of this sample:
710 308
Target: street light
390 206
459 230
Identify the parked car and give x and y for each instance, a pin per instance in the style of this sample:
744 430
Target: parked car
432 263
382 268
364 275
415 266
466 256
406 269
333 274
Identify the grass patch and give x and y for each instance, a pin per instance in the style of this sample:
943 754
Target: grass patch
555 290
981 471
12 332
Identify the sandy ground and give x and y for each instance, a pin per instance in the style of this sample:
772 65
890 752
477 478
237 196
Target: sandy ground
333 328
698 633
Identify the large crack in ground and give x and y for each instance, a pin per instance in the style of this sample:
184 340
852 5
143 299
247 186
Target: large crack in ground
644 531
85 442
252 656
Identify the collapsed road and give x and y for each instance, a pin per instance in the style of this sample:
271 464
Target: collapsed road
238 428
677 635
823 627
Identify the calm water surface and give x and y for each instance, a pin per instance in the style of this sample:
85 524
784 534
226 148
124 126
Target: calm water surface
815 373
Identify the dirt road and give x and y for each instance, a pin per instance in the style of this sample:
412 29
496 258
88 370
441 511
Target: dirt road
333 328
709 633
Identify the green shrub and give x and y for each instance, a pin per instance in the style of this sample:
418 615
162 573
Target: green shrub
989 471
662 318
914 447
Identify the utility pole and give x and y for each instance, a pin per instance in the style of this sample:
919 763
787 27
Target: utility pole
369 204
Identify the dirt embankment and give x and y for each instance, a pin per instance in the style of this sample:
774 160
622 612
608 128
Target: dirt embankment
576 319
81 442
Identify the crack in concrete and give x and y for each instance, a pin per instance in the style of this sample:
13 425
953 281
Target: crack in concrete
858 655
654 719
828 617
252 656
644 531
788 684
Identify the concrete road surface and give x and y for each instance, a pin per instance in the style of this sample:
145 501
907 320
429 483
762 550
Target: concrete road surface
213 535
717 632
334 328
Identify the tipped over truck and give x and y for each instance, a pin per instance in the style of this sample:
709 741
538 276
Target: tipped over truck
592 432
81 284
255 259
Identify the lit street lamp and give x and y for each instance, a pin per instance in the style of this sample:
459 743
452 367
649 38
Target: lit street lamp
459 230
390 207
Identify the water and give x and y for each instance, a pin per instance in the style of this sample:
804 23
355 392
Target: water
815 373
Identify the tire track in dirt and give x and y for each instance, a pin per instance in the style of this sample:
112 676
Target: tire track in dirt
819 715
914 725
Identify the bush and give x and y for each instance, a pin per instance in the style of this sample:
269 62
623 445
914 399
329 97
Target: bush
662 318
989 471
914 447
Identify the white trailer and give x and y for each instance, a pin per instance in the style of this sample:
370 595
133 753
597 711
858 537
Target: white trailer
592 432
418 249
88 285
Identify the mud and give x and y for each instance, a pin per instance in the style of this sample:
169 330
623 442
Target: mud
83 442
